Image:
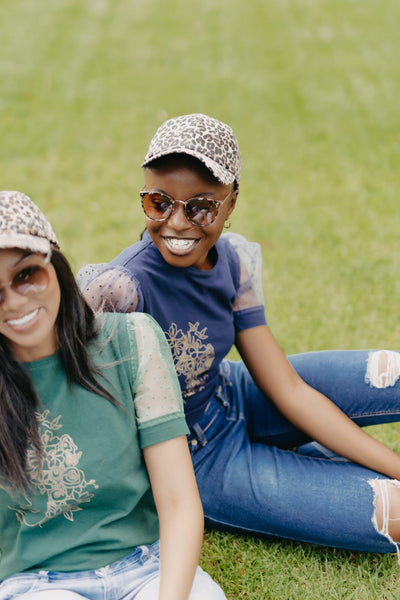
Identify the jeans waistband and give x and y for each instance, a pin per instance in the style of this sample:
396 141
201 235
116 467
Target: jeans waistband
138 554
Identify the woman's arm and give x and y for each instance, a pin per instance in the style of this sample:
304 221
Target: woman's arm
306 408
180 514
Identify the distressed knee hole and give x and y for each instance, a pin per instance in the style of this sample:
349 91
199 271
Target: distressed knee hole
383 368
387 508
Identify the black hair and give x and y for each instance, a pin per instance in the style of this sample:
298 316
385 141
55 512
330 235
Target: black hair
75 328
188 161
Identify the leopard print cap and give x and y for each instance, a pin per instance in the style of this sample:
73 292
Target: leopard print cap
23 225
203 137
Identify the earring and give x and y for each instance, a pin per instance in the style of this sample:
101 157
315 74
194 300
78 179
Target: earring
227 224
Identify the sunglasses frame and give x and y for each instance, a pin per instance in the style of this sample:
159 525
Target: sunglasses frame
9 284
216 203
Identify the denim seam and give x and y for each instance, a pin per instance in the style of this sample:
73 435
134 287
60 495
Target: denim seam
374 413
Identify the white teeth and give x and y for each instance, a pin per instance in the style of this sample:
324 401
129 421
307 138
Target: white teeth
23 320
180 244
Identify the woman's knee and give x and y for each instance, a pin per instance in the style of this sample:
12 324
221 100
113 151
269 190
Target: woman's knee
204 588
387 507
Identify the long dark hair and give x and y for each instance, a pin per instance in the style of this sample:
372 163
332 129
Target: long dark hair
75 326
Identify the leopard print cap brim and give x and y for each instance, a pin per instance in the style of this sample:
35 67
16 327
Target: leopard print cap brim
207 139
23 225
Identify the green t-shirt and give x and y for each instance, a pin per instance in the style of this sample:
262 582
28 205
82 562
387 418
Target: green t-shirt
91 503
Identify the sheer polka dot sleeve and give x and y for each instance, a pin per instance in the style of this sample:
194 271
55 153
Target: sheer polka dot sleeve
157 392
107 287
250 292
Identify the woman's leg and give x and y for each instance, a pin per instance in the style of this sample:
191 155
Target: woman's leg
259 489
39 586
204 588
250 486
365 384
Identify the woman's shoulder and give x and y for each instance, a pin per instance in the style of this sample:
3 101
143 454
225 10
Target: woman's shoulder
248 258
246 254
239 242
108 321
132 325
109 286
120 335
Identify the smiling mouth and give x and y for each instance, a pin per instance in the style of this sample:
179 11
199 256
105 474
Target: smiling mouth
23 320
180 244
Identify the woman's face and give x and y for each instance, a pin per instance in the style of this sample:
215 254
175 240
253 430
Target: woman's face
181 243
28 321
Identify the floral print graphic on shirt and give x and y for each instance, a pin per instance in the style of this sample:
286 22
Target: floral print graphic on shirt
193 356
60 478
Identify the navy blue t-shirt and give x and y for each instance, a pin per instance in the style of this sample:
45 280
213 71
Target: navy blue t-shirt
199 311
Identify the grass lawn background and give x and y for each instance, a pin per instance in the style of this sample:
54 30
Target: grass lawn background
311 90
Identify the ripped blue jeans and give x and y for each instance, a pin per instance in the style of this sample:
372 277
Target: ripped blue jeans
259 474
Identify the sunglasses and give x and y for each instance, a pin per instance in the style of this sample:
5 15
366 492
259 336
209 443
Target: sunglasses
30 280
200 211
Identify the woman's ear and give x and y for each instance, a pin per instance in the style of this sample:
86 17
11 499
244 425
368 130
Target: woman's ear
232 201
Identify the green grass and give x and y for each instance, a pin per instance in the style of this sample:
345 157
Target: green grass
311 89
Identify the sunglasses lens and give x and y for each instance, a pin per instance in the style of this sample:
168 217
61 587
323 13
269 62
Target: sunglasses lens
201 211
157 206
31 280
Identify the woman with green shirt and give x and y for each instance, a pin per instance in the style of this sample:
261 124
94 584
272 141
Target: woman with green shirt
97 493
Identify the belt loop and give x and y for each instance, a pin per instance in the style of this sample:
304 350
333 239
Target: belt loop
200 434
220 395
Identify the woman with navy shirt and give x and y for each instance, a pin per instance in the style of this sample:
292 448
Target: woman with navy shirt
277 443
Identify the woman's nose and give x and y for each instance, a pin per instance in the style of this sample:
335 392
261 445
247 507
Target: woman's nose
11 299
178 219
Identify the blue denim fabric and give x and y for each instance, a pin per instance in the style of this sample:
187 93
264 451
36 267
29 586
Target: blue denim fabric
133 577
258 474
